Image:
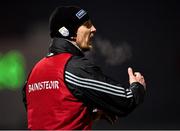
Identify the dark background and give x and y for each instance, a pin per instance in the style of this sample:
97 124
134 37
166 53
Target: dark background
149 27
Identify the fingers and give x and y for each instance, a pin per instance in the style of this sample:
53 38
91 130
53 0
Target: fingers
137 74
130 72
111 119
140 78
135 77
132 78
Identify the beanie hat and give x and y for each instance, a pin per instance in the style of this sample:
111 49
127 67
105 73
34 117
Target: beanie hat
65 20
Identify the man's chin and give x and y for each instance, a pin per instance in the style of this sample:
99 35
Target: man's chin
84 49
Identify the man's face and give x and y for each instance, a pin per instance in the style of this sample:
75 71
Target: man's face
84 35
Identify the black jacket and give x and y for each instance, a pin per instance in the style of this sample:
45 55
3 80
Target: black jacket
87 82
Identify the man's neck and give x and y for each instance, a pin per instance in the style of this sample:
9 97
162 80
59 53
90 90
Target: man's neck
75 44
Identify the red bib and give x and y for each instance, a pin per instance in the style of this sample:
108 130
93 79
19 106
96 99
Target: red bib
50 105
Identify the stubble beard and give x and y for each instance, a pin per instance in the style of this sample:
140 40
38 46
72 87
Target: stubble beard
87 47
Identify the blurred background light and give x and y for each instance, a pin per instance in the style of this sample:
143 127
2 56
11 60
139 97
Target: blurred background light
12 70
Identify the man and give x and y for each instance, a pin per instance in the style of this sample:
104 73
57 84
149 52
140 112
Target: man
65 90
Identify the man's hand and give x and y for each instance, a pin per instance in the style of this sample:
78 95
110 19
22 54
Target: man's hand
99 114
136 77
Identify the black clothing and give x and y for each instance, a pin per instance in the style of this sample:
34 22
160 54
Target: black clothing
87 83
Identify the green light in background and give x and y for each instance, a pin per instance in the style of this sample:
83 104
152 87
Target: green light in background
12 70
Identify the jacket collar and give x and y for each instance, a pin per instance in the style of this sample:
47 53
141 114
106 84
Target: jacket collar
60 45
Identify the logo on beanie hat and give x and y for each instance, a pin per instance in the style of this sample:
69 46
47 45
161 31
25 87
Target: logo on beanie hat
81 13
64 31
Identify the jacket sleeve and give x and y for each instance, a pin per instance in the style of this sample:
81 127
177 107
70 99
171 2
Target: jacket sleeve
87 83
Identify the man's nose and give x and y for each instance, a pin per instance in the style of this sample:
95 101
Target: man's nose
93 29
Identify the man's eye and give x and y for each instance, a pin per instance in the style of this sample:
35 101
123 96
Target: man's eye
88 24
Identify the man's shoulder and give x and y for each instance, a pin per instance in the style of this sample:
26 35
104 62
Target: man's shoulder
79 64
79 61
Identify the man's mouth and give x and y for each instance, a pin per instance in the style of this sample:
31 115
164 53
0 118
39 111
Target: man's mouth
91 35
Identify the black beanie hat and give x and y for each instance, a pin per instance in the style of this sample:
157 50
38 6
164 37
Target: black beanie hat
65 20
